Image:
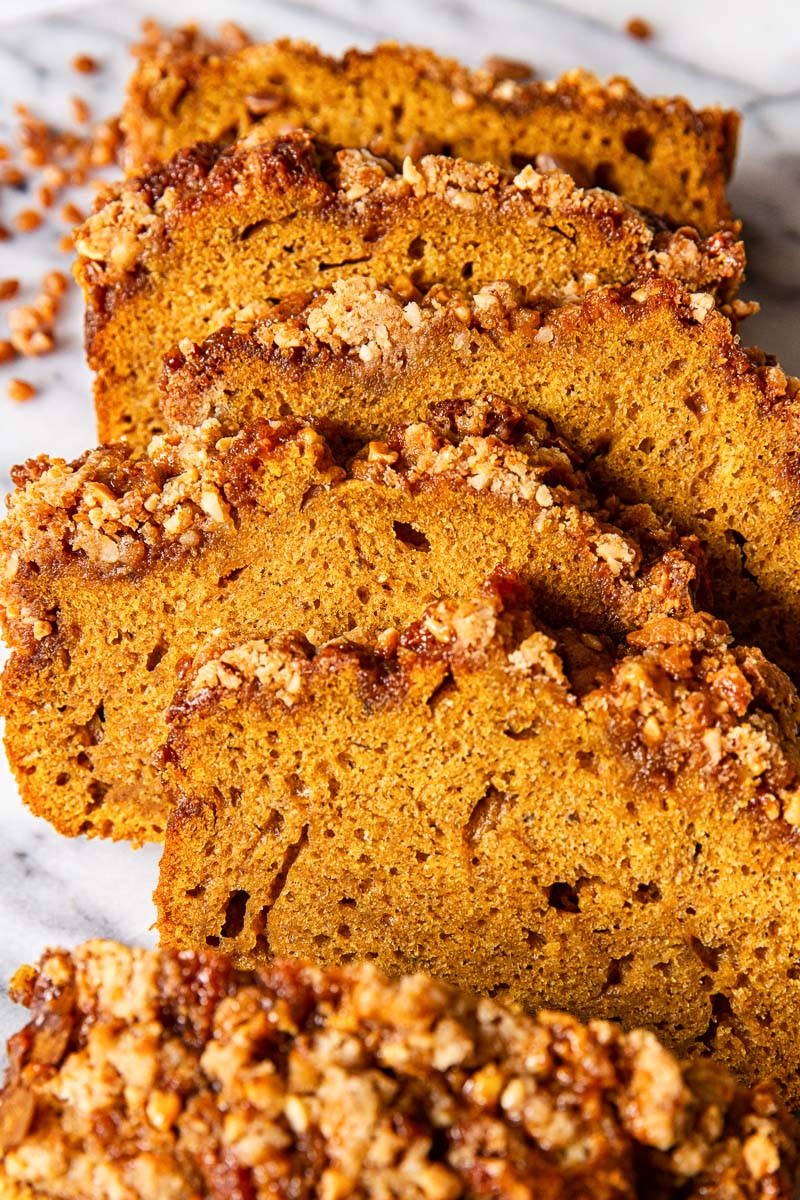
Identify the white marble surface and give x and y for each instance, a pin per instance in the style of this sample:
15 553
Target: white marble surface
58 891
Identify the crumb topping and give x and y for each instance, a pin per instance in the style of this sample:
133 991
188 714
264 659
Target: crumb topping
147 1073
467 625
275 665
118 513
359 319
138 213
677 697
384 328
686 694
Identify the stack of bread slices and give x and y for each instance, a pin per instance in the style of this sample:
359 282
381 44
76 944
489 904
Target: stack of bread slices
433 596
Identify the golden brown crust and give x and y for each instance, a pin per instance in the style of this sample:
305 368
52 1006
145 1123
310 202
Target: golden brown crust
527 810
267 218
159 1074
117 567
650 382
659 153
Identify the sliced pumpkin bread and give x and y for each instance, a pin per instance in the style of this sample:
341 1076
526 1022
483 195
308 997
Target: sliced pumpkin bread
168 253
531 812
650 383
117 569
659 154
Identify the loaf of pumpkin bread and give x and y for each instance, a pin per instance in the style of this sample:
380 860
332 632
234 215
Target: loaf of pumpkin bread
167 253
164 1076
659 154
530 812
651 384
117 570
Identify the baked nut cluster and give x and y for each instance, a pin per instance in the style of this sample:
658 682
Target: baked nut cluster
150 1074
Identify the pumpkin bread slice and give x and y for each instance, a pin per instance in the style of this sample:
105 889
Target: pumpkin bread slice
658 153
650 383
150 1074
118 569
526 811
168 253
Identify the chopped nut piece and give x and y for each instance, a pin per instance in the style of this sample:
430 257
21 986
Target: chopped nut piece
508 68
72 214
79 109
55 283
639 29
761 1156
261 105
20 390
84 64
463 99
11 177
701 304
27 220
8 288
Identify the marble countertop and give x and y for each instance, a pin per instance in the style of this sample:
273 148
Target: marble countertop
55 891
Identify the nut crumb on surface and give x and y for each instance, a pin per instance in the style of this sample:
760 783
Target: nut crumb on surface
639 29
27 220
20 390
79 110
84 64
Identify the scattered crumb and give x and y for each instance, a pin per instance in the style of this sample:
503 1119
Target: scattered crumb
27 220
72 214
32 325
84 64
79 109
20 390
55 283
46 161
639 29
